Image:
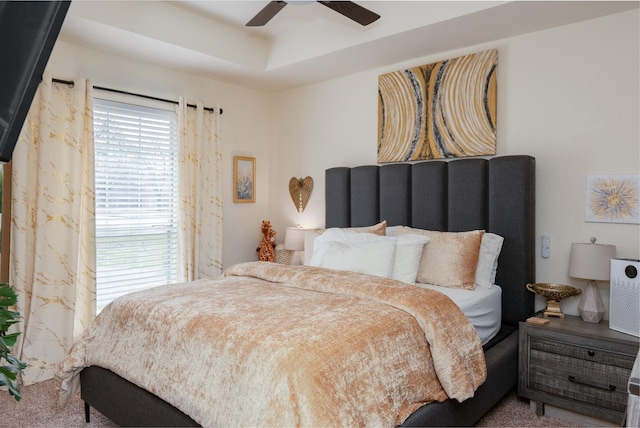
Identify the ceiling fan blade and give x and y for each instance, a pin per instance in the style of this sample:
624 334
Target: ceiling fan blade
352 11
265 15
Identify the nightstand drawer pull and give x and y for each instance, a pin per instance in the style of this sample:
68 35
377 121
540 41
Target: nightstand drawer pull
591 352
606 388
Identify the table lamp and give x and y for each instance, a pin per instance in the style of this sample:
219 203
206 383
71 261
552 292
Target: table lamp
593 262
294 241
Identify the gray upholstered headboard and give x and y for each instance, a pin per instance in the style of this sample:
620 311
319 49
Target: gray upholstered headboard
497 195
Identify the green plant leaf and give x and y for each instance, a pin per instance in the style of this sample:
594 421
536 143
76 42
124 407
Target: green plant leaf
8 296
9 373
10 339
14 388
16 362
6 315
6 312
4 349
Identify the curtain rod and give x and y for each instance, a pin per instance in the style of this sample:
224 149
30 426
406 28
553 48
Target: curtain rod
71 83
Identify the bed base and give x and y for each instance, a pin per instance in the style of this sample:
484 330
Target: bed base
127 404
497 195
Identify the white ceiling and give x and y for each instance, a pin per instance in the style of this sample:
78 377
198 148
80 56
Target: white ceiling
307 43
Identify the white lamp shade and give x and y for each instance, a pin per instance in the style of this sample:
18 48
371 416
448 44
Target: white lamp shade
591 261
294 239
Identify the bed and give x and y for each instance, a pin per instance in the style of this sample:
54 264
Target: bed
495 195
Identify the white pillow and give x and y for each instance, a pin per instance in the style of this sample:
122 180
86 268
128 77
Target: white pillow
373 258
490 248
311 234
404 260
407 259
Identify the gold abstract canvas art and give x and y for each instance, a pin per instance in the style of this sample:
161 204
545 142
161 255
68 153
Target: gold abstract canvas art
613 198
442 110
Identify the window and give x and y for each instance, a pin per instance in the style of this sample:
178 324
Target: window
136 182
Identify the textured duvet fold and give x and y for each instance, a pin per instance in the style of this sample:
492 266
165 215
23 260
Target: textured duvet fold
275 345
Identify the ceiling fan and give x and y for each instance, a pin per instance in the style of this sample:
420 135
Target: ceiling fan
349 9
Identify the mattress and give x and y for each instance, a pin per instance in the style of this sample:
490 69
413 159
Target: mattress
482 306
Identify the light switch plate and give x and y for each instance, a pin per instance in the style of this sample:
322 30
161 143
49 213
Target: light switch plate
545 248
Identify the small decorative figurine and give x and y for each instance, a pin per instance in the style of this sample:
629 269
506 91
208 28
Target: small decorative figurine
266 249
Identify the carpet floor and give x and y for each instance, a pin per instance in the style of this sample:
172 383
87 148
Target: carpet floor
38 408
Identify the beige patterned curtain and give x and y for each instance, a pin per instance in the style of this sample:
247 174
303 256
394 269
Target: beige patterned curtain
52 261
200 192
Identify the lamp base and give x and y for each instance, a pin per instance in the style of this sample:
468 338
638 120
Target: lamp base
296 258
591 306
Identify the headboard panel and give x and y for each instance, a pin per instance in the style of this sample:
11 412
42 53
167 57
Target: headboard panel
429 195
467 208
497 195
365 196
339 181
395 193
512 215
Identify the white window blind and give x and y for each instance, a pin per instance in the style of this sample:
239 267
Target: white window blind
136 164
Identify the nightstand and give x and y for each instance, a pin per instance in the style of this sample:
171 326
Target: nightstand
574 365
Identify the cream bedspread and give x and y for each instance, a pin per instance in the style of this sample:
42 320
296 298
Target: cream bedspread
276 345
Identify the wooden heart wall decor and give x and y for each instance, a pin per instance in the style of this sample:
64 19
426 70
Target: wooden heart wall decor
300 190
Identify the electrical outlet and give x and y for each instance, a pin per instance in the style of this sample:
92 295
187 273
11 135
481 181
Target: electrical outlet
545 247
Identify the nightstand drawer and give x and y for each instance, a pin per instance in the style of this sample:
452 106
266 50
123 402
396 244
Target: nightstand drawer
589 382
583 353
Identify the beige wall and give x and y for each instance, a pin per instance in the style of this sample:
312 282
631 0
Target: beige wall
568 96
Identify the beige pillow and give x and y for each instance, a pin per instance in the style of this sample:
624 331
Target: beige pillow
449 258
311 234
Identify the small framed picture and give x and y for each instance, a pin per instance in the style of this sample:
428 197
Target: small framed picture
244 179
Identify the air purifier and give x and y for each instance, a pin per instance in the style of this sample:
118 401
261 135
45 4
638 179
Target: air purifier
624 300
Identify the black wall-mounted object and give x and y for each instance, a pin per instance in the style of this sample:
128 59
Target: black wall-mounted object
28 32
